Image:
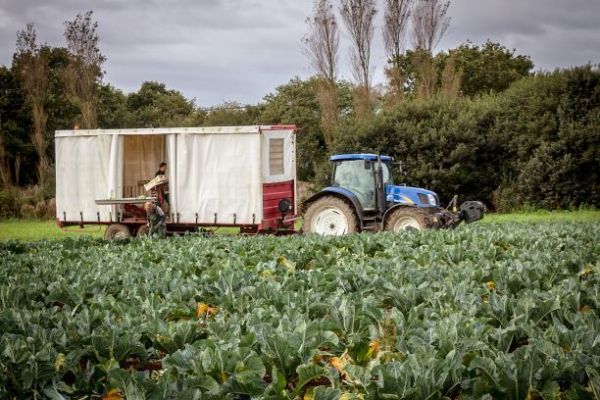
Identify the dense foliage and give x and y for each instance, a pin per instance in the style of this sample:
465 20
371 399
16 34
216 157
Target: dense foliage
501 311
537 143
499 133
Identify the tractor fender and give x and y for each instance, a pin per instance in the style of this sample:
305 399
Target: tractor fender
342 193
390 210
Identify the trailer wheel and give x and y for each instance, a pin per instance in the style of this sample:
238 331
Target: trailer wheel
330 216
143 230
117 232
407 219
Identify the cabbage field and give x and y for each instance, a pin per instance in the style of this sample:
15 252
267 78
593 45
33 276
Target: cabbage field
507 311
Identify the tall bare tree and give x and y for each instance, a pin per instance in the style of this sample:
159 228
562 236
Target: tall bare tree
396 18
430 22
33 67
451 78
321 44
85 67
358 16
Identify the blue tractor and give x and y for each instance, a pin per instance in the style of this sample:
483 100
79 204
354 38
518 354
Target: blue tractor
362 196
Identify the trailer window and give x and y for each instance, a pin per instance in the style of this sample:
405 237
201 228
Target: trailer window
276 157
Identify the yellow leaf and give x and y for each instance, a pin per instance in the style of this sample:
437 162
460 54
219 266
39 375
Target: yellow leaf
204 309
309 395
339 363
223 377
59 361
586 271
201 309
585 308
490 285
373 348
336 363
287 264
266 274
113 394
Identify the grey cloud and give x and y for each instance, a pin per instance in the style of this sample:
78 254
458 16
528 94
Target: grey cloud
217 50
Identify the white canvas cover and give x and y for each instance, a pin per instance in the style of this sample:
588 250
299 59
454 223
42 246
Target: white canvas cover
219 173
87 168
210 170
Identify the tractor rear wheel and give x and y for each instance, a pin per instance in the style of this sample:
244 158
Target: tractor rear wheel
330 216
117 232
407 219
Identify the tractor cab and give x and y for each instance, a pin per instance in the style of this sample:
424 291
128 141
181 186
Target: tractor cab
357 174
364 175
362 196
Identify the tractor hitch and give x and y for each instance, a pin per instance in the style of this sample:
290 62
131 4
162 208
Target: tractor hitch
471 211
453 215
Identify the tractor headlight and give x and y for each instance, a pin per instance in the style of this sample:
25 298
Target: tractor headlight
432 200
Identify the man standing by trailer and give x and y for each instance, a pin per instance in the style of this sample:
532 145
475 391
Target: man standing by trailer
156 220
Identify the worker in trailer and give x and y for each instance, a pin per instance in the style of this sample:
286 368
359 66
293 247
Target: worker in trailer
162 170
159 188
156 219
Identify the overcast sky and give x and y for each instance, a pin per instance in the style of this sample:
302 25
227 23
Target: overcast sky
240 50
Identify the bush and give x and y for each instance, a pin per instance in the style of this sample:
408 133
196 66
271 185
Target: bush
27 211
29 202
537 144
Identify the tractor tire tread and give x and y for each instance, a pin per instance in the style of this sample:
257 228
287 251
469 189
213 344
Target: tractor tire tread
419 215
330 201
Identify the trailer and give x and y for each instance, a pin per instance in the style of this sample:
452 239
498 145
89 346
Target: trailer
242 177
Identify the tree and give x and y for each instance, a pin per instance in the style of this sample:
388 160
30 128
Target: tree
430 22
85 69
232 113
358 16
112 108
396 18
321 44
488 68
154 105
297 103
33 67
15 129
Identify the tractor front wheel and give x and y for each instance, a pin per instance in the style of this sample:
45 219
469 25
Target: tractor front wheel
407 219
330 216
117 232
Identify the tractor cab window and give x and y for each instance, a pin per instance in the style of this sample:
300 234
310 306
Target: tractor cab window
356 176
387 176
